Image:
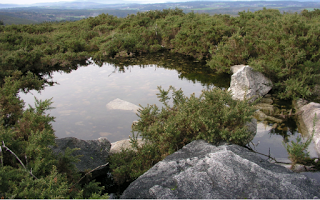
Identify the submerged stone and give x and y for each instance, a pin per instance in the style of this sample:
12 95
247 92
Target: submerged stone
122 105
261 116
266 108
266 100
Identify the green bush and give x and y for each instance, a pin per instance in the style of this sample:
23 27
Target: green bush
297 151
283 46
28 167
213 116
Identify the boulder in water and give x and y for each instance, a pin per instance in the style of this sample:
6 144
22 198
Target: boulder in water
118 104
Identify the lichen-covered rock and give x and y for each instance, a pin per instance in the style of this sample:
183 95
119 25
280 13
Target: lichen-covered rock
246 82
94 152
204 171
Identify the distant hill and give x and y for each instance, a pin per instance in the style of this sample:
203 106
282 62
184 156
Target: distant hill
80 9
39 14
71 5
7 20
10 6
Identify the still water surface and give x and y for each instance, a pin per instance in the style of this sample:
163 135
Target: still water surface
81 96
80 99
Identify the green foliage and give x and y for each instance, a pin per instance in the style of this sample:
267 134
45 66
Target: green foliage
213 116
29 169
129 164
298 150
16 183
10 105
282 46
312 14
92 190
285 47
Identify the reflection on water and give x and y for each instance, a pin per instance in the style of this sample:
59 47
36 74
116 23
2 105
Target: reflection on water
81 96
268 141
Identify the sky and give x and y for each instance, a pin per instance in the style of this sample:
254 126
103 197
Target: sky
25 2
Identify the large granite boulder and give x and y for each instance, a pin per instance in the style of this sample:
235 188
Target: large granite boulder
204 171
245 82
307 115
94 152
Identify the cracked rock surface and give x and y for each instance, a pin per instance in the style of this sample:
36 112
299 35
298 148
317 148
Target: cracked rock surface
204 171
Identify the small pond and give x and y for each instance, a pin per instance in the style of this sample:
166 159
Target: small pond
81 96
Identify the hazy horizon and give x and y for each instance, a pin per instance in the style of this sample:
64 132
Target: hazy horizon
29 2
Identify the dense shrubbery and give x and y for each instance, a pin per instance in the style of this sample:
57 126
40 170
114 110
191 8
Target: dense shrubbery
282 46
28 168
213 116
285 47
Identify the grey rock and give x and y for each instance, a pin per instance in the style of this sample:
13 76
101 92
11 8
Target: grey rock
94 152
249 84
252 129
204 171
112 196
118 104
307 115
234 69
297 104
116 147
